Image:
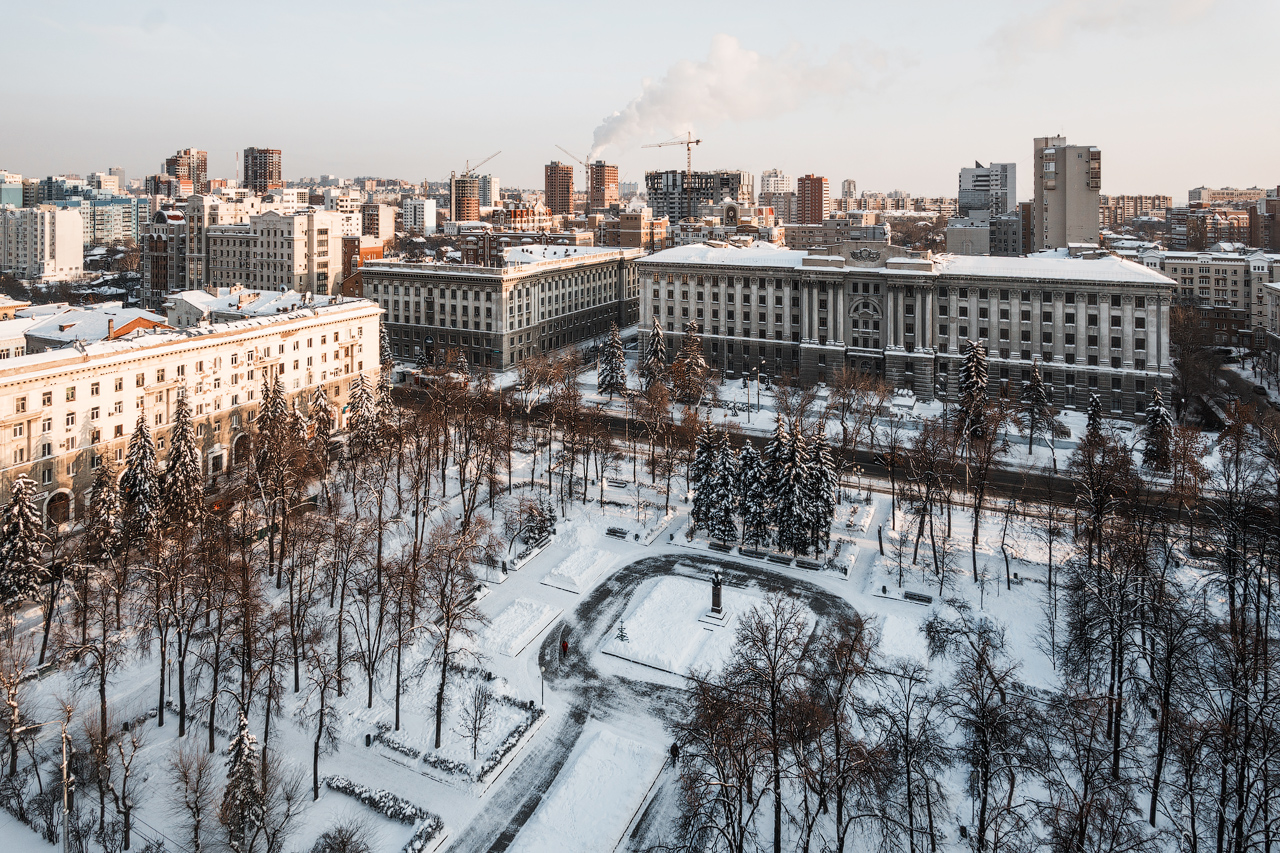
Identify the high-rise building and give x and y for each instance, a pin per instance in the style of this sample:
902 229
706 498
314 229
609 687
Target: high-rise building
848 188
666 191
117 172
776 181
813 199
262 171
604 185
992 188
378 221
490 191
42 242
190 164
559 188
418 216
464 198
1068 179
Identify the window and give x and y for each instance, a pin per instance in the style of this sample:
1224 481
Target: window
20 405
19 430
119 386
46 398
139 380
71 419
95 389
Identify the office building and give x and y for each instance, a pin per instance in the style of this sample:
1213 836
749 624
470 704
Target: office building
1068 180
992 188
1096 324
66 410
813 199
42 243
536 299
604 186
262 171
558 188
192 165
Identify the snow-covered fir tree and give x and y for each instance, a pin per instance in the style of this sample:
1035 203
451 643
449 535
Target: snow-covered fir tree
140 483
786 460
701 471
321 415
611 376
723 488
22 544
1093 431
384 348
363 425
102 526
973 389
458 364
243 804
421 362
1156 433
753 497
690 377
181 484
1037 412
653 366
821 487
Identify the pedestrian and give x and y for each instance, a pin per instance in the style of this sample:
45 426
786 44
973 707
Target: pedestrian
564 649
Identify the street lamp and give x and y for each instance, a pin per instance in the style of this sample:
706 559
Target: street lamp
542 678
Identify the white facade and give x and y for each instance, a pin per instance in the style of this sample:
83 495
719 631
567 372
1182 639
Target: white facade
419 215
62 411
490 191
274 251
848 188
776 181
42 242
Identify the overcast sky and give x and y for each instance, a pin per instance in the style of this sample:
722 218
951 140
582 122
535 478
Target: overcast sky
1176 93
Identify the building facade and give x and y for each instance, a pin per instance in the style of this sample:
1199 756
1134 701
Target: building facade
418 215
63 411
279 251
776 181
667 195
540 299
189 164
1092 324
42 243
813 199
604 186
993 188
262 170
558 188
1068 180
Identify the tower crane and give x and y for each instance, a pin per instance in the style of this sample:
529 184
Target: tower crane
471 168
688 142
586 168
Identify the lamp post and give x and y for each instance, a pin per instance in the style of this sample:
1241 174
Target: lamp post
542 678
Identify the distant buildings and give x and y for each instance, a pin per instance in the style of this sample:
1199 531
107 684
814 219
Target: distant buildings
848 188
668 196
558 187
189 164
813 200
464 198
42 243
378 221
992 188
1068 179
488 191
1226 195
776 181
262 171
604 186
1117 210
418 216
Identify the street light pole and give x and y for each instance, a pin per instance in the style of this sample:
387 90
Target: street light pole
542 678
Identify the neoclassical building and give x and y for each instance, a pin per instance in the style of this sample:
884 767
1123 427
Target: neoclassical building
1093 322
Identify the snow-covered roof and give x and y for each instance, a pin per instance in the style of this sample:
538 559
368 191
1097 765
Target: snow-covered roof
11 329
90 324
757 254
531 253
1050 265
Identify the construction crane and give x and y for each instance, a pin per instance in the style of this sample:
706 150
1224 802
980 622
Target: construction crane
688 142
471 168
586 168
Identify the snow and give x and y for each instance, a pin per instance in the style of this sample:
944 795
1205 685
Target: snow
901 637
515 627
584 565
663 628
595 796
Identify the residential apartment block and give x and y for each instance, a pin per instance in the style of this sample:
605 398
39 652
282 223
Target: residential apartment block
1068 179
536 299
63 411
189 164
813 199
668 196
42 243
1093 324
262 171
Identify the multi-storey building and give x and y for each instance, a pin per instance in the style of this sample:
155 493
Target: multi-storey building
1229 287
189 164
1116 210
1226 195
604 185
858 226
63 411
776 181
992 188
667 195
635 229
1199 226
279 251
1094 324
848 188
10 189
558 188
786 206
262 171
418 216
538 299
164 257
109 219
378 221
207 211
813 199
42 243
1068 179
464 198
490 192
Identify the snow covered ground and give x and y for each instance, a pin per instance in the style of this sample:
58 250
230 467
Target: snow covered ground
597 793
585 562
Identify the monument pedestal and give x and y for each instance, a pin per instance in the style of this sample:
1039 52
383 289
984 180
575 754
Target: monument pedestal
716 616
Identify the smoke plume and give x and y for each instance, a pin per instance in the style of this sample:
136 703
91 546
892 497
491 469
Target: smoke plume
730 84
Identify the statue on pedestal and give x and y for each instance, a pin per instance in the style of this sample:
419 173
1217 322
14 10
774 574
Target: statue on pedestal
715 593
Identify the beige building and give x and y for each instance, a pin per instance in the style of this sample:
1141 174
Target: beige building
1068 180
275 251
63 411
378 221
1226 195
42 243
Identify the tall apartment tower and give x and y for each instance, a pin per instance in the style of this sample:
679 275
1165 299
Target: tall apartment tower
490 194
190 164
262 170
992 188
604 185
117 172
848 188
813 200
1067 185
776 181
559 188
464 198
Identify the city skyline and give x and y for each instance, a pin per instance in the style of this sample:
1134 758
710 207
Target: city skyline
895 100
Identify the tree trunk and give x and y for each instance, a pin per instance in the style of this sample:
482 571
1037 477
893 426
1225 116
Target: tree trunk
444 675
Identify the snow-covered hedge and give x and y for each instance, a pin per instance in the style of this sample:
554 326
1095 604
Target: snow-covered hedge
456 768
509 742
383 736
387 804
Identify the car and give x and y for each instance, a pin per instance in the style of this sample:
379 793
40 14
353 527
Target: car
1260 389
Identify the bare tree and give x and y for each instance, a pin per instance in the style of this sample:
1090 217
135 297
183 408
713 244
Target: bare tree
477 713
194 792
318 714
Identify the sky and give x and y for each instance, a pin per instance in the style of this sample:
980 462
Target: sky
1176 93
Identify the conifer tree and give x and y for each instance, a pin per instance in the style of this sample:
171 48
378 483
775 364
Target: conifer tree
821 488
1093 432
322 416
753 497
723 488
1157 433
103 535
181 484
362 418
691 378
385 361
973 389
611 376
460 365
243 805
701 471
140 484
22 543
654 365
1037 413
421 362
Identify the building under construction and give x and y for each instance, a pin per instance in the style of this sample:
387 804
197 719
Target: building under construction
559 188
464 198
668 196
602 180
